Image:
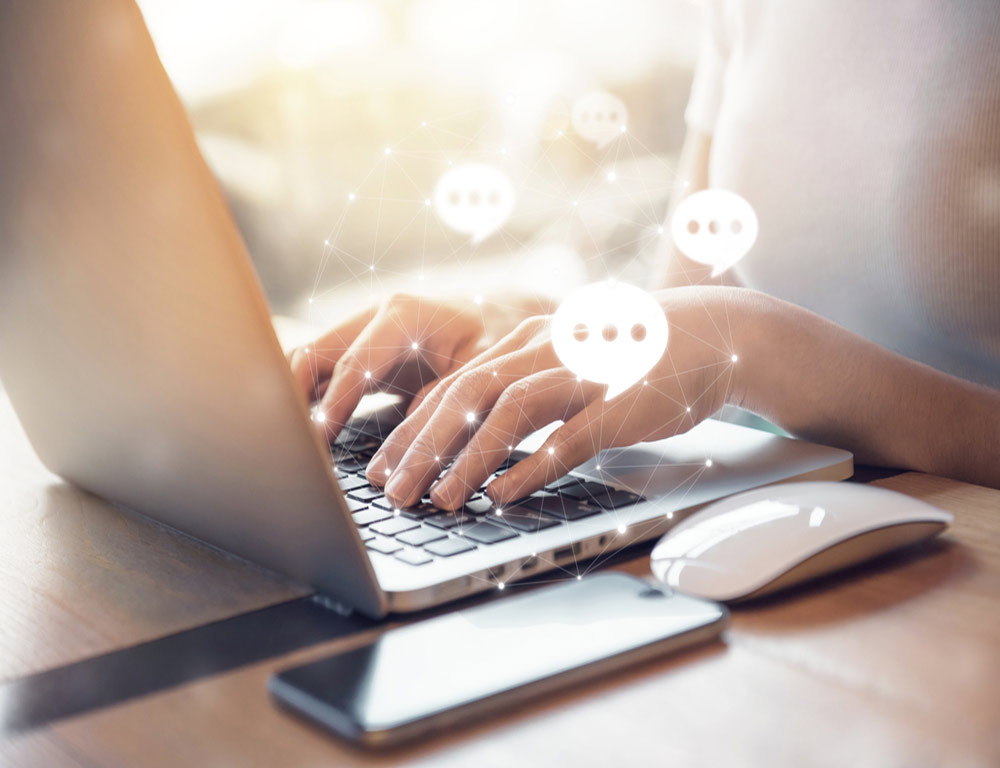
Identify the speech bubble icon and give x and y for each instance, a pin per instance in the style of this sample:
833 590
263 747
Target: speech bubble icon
714 227
599 117
475 199
611 333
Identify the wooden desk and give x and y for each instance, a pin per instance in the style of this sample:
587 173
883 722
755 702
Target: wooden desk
897 664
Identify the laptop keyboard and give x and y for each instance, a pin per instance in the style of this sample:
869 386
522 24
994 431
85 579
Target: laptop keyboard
420 534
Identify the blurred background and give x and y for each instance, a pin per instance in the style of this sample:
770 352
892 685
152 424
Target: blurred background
329 122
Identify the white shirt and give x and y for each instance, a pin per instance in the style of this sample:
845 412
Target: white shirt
866 134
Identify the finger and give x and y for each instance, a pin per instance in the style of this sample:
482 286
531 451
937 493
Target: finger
376 350
313 363
567 447
456 419
529 404
421 395
395 447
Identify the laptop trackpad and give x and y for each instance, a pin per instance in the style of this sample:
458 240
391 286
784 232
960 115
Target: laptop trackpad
712 460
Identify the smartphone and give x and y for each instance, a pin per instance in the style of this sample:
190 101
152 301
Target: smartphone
437 673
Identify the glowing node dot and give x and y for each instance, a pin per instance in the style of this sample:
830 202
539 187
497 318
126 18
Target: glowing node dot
670 515
579 378
326 242
734 358
612 175
621 528
688 409
708 462
645 382
414 345
310 300
534 554
510 447
503 150
470 417
350 196
659 230
576 202
494 373
306 350
623 129
560 133
500 585
388 150
395 512
388 471
423 123
578 577
420 277
551 451
371 268
427 201
477 299
368 374
598 467
499 512
437 459
319 417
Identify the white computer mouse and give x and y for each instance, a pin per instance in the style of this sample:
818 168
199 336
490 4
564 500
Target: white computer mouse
770 538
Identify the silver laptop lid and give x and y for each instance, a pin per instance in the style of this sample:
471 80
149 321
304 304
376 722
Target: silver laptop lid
135 343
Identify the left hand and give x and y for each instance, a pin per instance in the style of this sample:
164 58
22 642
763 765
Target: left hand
480 411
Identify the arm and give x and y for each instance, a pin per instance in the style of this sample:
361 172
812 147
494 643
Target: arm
824 383
803 372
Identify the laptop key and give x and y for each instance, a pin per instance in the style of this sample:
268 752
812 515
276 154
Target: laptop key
601 495
420 536
413 557
352 482
394 525
610 498
366 534
449 547
566 481
561 508
354 505
478 507
384 545
487 533
449 520
369 516
524 519
367 493
347 464
421 511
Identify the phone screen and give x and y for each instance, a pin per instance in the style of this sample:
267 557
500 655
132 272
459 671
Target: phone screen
418 671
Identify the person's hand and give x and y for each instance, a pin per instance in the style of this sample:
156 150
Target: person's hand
402 346
480 411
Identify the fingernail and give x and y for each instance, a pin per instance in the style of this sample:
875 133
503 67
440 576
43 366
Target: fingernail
375 472
442 494
398 488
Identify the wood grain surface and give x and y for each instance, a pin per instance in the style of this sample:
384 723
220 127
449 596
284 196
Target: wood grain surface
894 663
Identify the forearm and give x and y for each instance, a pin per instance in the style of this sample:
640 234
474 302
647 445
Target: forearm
822 382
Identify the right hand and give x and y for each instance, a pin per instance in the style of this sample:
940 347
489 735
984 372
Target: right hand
403 346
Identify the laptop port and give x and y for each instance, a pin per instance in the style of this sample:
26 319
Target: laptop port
562 554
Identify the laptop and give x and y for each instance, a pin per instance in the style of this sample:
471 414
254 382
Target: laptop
138 351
